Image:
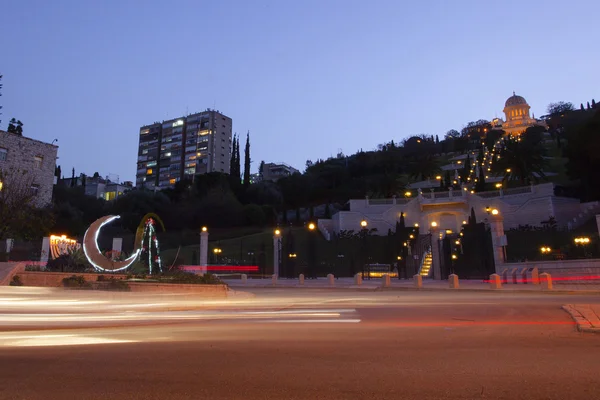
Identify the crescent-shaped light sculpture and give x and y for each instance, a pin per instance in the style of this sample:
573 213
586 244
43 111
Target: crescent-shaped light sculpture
93 254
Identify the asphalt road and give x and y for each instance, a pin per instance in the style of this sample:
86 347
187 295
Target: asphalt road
305 344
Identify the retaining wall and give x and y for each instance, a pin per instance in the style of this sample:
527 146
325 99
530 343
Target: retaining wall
585 269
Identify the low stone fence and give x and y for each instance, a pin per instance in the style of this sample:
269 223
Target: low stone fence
562 271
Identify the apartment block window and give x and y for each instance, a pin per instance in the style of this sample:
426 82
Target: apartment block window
3 153
34 189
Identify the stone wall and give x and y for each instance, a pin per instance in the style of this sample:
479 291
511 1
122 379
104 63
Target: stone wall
54 279
565 271
20 157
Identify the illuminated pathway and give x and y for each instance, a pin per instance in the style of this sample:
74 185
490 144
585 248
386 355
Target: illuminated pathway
294 344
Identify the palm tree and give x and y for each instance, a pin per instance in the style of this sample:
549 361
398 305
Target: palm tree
522 158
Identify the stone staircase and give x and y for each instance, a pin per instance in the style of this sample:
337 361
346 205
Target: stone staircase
325 227
426 263
589 210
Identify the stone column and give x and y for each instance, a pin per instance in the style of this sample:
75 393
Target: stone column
117 245
498 240
276 253
598 222
204 247
9 244
45 250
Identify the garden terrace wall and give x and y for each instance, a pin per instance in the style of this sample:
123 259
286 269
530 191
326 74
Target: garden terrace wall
206 290
54 279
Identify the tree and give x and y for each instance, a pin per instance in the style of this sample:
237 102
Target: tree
523 158
452 134
57 172
247 161
73 177
560 107
593 103
0 95
261 169
15 127
437 139
232 158
588 105
582 150
96 175
581 106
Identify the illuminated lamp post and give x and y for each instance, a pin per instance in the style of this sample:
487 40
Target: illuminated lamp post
582 242
363 233
276 251
312 250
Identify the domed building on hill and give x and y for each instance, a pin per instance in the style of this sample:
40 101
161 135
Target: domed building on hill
516 111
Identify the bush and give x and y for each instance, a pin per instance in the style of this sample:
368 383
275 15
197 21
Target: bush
74 261
75 281
187 278
16 281
34 268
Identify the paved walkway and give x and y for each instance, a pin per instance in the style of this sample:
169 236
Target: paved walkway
587 316
374 284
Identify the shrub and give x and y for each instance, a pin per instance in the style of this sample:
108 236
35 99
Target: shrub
34 268
74 261
16 281
75 281
185 277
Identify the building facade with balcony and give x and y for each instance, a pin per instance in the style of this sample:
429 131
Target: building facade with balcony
98 187
27 164
181 148
275 171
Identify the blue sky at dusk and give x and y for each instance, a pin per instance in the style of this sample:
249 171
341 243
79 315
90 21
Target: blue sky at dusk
306 78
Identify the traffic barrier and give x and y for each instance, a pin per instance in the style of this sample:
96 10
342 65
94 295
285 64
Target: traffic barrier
386 281
546 281
331 279
495 282
418 281
358 279
453 281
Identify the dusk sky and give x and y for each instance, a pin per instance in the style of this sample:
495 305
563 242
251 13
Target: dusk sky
306 78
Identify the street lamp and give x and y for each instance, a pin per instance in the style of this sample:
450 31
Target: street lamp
363 229
312 251
582 241
204 229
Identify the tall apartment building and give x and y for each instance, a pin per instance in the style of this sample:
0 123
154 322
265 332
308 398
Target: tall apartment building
183 147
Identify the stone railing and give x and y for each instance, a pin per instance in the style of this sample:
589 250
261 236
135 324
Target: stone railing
442 196
392 201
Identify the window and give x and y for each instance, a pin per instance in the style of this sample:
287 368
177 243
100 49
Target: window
172 181
3 153
149 171
1 185
38 161
34 189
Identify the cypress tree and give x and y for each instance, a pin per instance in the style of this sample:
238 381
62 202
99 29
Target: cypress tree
472 218
247 161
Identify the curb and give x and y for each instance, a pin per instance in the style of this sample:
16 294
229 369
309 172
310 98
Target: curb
583 325
424 289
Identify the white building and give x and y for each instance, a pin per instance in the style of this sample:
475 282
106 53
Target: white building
529 205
